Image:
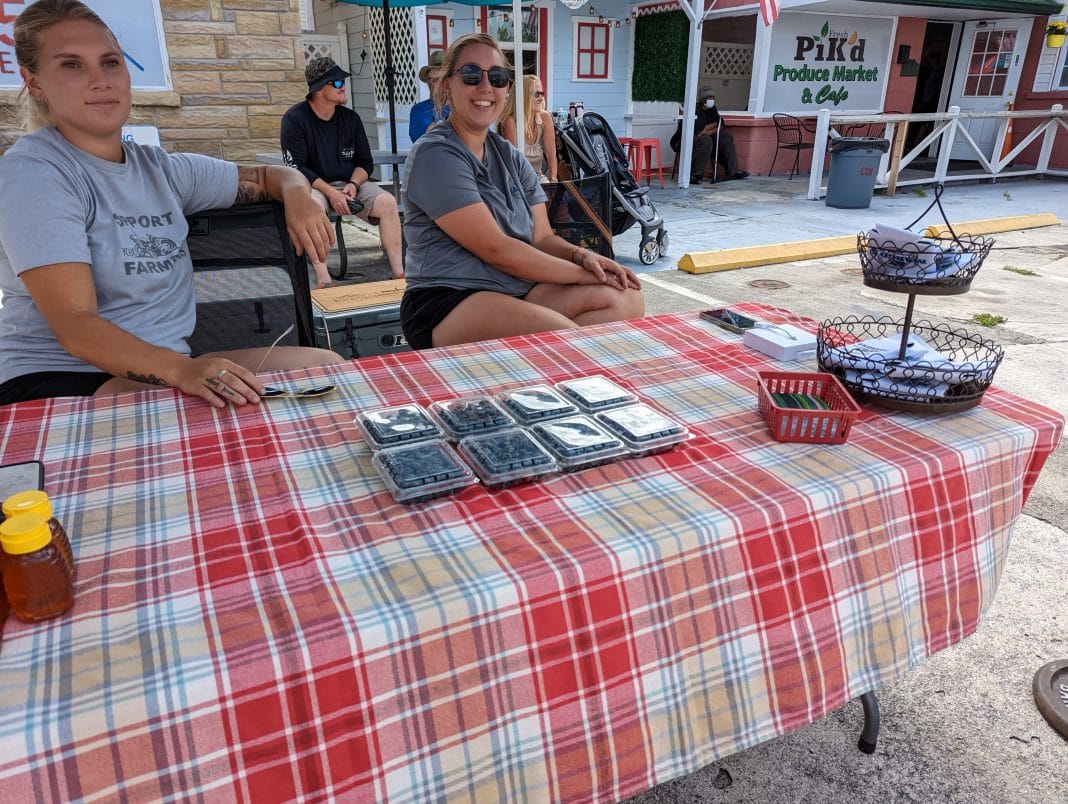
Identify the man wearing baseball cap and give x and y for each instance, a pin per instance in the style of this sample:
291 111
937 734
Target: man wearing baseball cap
326 141
706 123
423 114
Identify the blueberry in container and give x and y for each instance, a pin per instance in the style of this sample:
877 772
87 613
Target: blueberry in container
595 393
469 415
642 428
388 427
577 442
422 471
506 457
535 403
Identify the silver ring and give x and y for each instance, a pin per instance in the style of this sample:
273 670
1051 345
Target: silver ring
221 373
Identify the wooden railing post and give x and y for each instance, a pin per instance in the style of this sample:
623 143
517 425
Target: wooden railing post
895 160
1047 138
819 148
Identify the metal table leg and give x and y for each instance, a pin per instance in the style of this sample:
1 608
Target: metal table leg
342 251
869 736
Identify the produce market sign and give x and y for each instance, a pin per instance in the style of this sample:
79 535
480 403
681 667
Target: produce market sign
827 61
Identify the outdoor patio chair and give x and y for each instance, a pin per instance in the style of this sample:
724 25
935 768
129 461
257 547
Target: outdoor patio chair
790 136
250 285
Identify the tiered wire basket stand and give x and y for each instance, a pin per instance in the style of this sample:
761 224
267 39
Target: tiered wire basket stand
942 266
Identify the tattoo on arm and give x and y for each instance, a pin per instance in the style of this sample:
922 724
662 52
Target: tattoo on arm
147 379
251 184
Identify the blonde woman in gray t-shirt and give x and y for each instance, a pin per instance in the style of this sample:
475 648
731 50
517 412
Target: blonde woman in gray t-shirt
81 316
482 260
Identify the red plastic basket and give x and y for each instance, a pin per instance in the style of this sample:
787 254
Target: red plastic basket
807 426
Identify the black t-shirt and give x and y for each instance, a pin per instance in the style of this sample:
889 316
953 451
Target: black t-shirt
703 118
325 149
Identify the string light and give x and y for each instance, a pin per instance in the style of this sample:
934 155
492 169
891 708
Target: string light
601 18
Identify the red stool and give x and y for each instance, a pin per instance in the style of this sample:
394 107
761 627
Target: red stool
634 154
646 147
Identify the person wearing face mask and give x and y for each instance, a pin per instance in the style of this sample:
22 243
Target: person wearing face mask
706 123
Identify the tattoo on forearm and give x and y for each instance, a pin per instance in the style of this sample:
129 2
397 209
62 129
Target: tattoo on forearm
147 379
251 184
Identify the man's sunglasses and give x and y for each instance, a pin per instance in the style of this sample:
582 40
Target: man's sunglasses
337 83
471 74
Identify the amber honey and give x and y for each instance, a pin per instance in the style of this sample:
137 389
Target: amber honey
37 502
36 579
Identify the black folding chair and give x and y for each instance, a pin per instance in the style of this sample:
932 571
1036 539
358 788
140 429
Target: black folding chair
250 285
790 136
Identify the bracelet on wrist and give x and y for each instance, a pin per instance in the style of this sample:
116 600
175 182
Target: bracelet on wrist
577 255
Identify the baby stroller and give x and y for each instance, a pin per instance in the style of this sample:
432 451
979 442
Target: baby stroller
590 147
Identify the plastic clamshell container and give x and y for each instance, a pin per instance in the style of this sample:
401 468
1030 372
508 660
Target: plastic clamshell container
422 471
401 424
644 429
595 393
469 415
535 403
578 442
506 457
810 426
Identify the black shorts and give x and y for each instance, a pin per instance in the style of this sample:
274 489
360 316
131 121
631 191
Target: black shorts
47 384
422 309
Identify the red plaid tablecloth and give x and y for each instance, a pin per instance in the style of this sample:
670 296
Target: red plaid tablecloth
257 619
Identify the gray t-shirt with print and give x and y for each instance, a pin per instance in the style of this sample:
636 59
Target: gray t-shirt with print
60 204
442 175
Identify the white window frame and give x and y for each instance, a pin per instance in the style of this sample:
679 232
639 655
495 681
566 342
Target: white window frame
1058 69
575 23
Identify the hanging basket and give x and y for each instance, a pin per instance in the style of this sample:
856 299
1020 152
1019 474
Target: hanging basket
956 382
1054 40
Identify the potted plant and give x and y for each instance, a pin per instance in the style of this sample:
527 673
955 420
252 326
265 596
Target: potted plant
1055 32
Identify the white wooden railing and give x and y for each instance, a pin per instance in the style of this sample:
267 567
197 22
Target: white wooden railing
948 130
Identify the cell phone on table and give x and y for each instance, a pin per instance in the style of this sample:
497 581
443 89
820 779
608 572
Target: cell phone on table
728 319
25 476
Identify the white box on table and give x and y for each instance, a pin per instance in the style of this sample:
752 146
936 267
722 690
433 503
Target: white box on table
775 341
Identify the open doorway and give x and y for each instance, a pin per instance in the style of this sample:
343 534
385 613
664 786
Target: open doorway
936 61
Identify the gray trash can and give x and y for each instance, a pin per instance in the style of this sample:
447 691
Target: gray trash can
854 166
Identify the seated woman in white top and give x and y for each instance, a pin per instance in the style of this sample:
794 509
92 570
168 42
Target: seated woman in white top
80 317
539 138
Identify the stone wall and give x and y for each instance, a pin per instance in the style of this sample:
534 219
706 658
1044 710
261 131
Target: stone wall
236 66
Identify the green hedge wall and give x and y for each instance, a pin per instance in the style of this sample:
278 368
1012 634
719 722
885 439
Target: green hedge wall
659 50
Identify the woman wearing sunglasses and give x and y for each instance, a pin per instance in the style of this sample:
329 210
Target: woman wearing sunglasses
96 280
482 260
540 135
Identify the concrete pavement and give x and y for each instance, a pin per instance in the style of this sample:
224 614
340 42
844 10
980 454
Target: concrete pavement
963 726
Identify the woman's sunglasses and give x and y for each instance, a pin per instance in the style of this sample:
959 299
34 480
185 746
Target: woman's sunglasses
471 74
539 94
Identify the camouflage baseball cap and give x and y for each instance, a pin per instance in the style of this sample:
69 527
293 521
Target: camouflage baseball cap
321 71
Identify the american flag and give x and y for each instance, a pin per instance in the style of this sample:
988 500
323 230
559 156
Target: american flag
769 10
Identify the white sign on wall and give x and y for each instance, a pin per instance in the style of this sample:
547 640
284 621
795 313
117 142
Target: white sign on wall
827 60
137 25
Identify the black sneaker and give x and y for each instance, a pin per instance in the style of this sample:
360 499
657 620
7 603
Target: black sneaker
740 174
695 180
